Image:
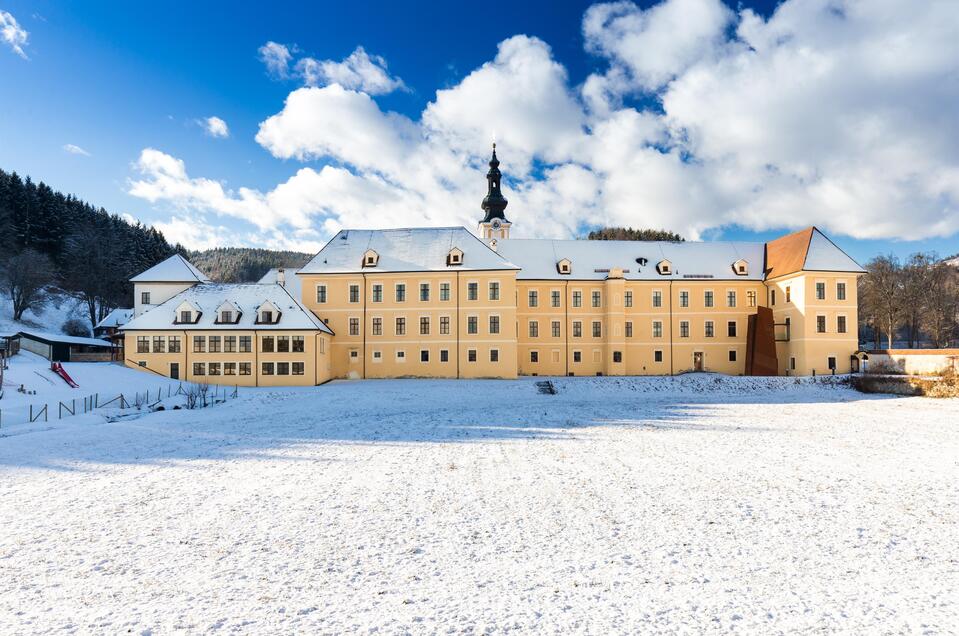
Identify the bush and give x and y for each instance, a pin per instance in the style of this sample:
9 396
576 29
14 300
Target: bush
884 368
76 327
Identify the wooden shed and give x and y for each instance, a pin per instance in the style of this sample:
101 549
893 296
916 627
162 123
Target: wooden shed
63 348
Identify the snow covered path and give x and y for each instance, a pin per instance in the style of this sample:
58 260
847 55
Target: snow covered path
434 506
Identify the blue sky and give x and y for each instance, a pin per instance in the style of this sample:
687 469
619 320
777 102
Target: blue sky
116 79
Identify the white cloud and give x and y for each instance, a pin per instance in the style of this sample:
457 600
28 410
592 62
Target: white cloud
334 121
13 34
520 99
164 178
835 114
277 58
75 150
195 233
215 127
656 44
359 71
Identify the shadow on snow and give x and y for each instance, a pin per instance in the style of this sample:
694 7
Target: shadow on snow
275 422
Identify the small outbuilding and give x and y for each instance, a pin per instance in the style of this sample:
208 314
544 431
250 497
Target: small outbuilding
9 344
109 329
62 348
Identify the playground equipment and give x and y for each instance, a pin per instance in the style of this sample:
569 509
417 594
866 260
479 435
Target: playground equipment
57 368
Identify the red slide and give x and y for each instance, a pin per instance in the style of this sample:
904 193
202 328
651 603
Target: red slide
57 368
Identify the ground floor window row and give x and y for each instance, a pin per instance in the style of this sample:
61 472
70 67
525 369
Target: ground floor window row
246 368
221 344
426 355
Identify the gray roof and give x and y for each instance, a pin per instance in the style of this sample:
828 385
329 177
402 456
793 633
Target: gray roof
63 338
116 318
824 256
292 282
405 250
175 269
592 260
247 297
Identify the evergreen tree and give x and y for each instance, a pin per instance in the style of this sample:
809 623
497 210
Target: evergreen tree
629 234
94 253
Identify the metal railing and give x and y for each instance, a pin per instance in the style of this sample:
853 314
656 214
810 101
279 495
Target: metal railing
138 400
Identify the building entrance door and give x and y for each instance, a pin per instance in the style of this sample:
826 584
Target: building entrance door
698 361
175 370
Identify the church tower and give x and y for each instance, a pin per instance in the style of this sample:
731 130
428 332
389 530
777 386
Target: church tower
494 225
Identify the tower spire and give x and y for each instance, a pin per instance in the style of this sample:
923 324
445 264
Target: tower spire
494 225
495 203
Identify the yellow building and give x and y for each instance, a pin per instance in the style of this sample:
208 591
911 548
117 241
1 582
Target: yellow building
444 302
246 335
423 302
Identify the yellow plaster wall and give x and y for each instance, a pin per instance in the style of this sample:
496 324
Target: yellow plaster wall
316 366
371 355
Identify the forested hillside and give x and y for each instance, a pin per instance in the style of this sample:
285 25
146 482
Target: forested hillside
244 264
75 246
629 234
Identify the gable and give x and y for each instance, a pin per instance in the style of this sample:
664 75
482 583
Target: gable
175 269
806 250
405 250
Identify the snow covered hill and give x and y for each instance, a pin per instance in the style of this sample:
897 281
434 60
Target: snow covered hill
618 505
43 386
51 319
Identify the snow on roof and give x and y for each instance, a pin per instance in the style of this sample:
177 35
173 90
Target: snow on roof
247 297
116 318
806 250
175 269
63 338
292 282
405 250
823 255
592 260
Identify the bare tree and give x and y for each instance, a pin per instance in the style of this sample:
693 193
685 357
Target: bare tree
916 282
25 278
881 291
92 272
941 312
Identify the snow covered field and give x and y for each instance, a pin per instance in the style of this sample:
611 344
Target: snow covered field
616 506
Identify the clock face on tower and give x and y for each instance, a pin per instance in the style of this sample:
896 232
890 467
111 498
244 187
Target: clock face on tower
496 224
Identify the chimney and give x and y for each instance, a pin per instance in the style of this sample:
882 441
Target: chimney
281 277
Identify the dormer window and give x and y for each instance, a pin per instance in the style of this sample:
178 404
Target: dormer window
665 268
455 257
741 267
564 266
267 314
228 313
187 313
370 258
